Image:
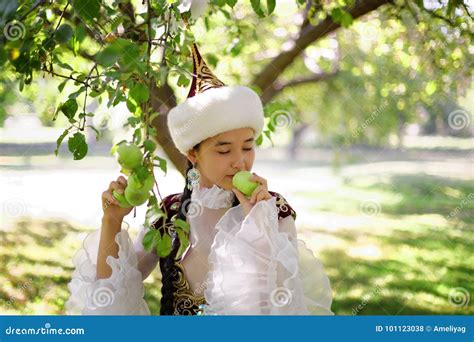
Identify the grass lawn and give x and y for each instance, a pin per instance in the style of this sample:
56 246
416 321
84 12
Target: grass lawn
395 245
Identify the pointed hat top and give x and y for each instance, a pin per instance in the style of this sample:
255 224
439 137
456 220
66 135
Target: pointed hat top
203 78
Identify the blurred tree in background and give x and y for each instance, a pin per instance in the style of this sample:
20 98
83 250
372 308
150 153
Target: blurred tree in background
357 70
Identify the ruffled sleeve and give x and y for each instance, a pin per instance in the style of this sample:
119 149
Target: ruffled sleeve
121 293
259 267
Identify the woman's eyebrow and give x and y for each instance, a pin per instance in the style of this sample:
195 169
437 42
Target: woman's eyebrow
220 143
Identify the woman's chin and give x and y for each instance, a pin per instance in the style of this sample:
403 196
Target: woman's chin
226 183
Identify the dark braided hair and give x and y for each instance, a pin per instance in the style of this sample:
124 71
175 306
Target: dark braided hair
168 270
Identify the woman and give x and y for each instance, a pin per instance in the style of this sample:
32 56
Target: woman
244 257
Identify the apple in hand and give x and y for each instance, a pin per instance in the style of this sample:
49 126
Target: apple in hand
136 197
242 182
135 183
129 156
123 203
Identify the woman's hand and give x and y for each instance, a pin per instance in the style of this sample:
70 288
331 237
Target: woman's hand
110 205
259 194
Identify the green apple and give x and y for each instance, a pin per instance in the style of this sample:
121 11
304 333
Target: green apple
129 156
135 183
136 197
121 199
242 182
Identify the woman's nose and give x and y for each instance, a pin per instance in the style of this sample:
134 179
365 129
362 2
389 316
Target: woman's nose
239 163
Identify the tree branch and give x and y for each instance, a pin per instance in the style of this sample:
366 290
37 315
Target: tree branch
277 86
309 34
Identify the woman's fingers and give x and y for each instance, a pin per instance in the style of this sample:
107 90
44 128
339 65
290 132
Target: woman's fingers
264 195
259 189
122 181
259 179
108 199
116 186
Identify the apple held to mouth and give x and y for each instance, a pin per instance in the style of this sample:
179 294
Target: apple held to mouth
242 182
129 156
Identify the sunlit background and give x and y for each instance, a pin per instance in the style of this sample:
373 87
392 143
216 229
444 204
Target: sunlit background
377 162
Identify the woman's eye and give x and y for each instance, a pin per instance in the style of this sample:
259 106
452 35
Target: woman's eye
245 149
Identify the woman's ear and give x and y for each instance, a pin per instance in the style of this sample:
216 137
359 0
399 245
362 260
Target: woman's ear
192 156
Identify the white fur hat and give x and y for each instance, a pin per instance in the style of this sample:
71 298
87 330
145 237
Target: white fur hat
212 108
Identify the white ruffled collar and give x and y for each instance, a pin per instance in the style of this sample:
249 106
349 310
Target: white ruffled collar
214 197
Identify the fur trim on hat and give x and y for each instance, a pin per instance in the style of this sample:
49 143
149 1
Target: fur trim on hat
213 112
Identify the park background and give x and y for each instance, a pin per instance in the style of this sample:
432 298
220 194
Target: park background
369 110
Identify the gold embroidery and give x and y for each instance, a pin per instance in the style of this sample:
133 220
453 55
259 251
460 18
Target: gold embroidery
185 301
205 79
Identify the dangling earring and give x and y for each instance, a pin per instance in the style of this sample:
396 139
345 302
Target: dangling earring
193 177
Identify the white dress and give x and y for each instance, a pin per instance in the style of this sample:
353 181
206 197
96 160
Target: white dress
242 265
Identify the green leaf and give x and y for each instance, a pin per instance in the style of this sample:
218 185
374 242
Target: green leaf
184 242
108 56
270 6
78 146
340 16
63 34
256 6
149 239
231 3
62 84
139 93
60 140
163 163
181 224
164 246
183 81
87 9
149 145
69 108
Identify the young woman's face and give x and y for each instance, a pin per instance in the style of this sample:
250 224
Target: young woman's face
218 158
